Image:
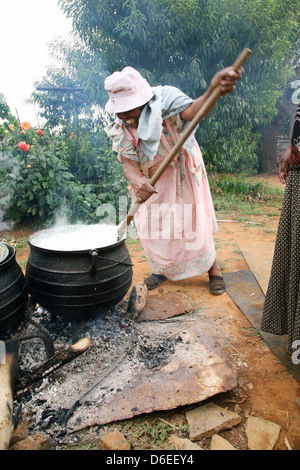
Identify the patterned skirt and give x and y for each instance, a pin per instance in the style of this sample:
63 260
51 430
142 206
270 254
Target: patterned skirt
281 313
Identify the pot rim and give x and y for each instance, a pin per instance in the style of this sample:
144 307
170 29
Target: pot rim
87 250
5 254
10 256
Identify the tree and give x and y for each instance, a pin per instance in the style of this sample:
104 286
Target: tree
183 43
67 99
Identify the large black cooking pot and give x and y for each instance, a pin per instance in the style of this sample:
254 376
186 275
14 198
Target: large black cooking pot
81 283
13 290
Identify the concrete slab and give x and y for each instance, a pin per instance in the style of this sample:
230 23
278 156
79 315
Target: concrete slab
259 257
247 294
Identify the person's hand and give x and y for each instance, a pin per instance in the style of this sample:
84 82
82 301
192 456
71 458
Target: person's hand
226 79
284 163
138 182
142 188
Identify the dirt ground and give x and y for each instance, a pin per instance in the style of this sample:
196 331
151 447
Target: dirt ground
265 388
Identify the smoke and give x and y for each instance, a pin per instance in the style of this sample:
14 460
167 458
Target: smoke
4 204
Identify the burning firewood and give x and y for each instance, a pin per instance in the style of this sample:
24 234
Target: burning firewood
137 299
61 358
8 374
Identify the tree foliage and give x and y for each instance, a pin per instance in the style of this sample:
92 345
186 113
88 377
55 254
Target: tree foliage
184 43
49 174
35 181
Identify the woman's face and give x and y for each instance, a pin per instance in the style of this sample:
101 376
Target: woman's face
131 118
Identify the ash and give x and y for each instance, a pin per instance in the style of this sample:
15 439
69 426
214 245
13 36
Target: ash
120 344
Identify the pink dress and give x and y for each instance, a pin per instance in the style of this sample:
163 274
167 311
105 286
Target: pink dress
177 224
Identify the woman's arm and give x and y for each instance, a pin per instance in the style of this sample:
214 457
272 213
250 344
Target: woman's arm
226 78
139 183
286 158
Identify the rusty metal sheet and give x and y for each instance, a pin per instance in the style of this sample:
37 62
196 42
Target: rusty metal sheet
246 293
166 305
259 257
198 369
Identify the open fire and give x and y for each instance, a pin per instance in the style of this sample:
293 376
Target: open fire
112 337
116 363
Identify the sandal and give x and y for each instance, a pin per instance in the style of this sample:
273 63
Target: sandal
154 281
216 285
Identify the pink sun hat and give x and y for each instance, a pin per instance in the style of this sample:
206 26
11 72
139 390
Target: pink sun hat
127 90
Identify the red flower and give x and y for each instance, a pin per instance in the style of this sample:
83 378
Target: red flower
25 126
39 132
23 146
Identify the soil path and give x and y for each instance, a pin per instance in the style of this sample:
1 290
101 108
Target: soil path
265 388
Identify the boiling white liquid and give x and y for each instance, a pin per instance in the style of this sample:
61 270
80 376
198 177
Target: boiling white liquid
76 237
3 252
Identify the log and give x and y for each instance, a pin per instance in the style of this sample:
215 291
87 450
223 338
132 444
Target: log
137 299
61 358
8 376
82 345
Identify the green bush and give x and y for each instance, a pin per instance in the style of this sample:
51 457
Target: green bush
35 180
68 173
94 163
34 174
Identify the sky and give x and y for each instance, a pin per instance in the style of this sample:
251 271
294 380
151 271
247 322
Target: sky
26 29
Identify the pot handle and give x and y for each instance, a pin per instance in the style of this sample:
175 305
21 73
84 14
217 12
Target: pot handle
115 261
93 268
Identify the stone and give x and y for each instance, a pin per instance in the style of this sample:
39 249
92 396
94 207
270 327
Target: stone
114 440
209 419
261 433
238 409
219 443
183 444
298 402
20 433
35 442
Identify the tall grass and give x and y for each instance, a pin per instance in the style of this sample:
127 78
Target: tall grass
243 194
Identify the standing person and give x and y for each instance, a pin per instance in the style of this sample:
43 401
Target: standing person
281 314
176 224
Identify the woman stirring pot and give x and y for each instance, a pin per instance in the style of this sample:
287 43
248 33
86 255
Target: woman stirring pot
176 221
